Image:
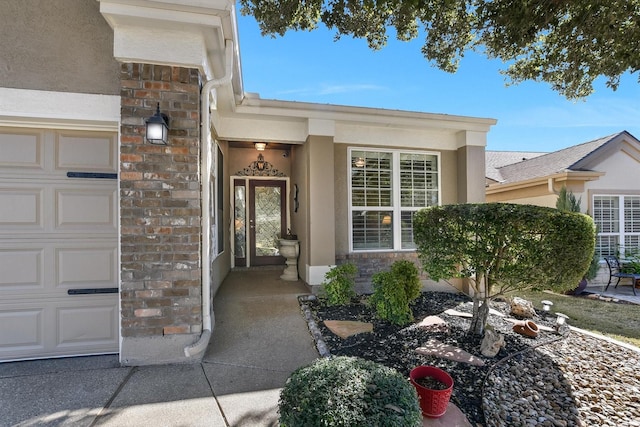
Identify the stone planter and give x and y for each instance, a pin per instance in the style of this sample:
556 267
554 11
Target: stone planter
290 249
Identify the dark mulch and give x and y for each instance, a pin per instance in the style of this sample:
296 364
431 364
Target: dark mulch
395 346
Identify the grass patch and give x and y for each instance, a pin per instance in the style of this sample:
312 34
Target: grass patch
615 320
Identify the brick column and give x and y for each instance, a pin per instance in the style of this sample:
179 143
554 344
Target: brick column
160 207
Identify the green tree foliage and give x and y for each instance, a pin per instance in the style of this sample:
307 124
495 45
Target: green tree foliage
566 43
339 283
500 247
394 290
567 201
348 392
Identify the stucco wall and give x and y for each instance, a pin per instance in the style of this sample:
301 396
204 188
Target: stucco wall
299 219
449 176
240 158
619 170
61 45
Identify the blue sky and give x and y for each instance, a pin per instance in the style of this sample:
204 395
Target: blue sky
311 67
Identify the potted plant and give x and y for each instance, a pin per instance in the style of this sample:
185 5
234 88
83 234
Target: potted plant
434 387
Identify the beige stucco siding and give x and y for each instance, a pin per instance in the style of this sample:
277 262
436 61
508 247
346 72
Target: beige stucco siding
622 172
299 218
61 45
240 158
470 165
449 176
340 178
621 178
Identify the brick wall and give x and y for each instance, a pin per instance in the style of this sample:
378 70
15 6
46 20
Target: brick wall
160 203
370 263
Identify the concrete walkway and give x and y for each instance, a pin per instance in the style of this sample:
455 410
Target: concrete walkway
624 291
259 338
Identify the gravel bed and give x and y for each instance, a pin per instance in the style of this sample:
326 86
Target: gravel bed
571 379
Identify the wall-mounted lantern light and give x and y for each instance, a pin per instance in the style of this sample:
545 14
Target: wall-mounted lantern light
157 128
260 146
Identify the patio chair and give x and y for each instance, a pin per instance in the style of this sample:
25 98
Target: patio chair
615 270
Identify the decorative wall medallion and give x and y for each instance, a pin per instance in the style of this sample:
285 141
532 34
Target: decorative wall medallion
260 167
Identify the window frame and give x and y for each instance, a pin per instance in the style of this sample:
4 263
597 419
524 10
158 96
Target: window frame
621 234
396 207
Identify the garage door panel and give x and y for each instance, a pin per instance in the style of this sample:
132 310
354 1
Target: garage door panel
93 267
77 151
21 208
22 329
57 234
94 323
21 149
81 209
22 270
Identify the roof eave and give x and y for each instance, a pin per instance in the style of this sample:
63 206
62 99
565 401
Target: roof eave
544 180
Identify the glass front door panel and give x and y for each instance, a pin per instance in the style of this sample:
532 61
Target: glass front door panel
240 223
267 220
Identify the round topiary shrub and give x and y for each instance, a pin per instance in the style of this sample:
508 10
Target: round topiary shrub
348 391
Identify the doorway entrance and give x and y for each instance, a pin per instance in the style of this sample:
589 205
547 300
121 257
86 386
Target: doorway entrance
259 219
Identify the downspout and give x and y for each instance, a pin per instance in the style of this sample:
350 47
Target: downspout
205 169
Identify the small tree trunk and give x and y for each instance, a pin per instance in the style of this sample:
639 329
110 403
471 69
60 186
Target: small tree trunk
480 316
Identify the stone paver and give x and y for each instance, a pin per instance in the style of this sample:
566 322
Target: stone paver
439 349
346 328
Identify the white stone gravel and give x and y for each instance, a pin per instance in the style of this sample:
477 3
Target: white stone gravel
580 380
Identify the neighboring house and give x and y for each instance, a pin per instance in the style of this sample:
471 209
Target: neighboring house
494 160
602 174
110 244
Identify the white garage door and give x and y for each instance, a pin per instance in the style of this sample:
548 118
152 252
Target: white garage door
58 243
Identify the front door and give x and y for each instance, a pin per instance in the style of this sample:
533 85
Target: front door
265 209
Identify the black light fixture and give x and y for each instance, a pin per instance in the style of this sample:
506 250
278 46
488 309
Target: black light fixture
158 128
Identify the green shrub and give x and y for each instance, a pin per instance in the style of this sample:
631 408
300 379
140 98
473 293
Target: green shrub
394 290
348 391
339 283
567 201
502 247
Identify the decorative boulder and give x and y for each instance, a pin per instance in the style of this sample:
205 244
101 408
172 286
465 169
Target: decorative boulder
522 308
491 343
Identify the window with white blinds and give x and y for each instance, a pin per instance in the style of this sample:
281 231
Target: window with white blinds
618 221
386 189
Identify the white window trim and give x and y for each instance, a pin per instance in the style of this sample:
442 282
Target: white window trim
395 187
621 233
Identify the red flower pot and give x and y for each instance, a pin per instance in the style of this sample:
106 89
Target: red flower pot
433 403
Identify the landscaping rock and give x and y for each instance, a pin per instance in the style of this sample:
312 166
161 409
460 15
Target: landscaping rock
346 328
491 343
450 352
431 322
522 308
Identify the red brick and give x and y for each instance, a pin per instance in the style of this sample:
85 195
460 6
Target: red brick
169 330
